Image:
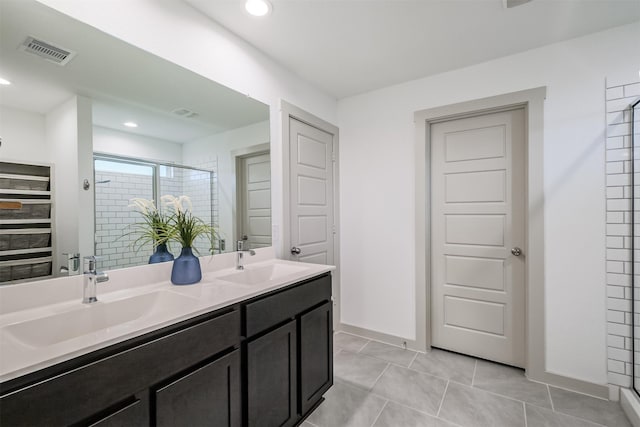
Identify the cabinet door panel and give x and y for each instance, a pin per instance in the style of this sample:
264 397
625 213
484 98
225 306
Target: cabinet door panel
135 414
209 396
272 378
316 355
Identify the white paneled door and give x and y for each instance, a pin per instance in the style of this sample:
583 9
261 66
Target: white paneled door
477 228
311 197
254 186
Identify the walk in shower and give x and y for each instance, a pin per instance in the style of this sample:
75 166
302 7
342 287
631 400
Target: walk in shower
120 179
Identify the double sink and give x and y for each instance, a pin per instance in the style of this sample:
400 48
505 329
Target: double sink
131 313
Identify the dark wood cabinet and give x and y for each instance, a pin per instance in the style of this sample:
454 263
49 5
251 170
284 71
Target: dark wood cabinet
208 396
316 355
289 353
134 414
272 378
263 362
104 383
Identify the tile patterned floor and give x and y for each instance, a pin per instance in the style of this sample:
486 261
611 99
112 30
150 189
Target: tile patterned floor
378 385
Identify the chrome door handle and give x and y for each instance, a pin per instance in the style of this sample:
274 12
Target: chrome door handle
295 250
516 251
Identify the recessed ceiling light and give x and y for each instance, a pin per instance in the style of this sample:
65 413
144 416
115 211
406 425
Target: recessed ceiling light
4 82
258 7
130 124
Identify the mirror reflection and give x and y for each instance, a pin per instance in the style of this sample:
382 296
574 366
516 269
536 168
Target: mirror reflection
83 105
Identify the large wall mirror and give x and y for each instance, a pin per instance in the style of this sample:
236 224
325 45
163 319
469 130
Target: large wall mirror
83 105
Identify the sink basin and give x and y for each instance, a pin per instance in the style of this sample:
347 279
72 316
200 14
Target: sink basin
100 316
257 275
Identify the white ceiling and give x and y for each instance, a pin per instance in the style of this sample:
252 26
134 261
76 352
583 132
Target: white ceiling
126 83
348 47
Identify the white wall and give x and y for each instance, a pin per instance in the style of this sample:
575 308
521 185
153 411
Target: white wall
220 146
115 142
62 138
86 200
377 185
23 136
174 31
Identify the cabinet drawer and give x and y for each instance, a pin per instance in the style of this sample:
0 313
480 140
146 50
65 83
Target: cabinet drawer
90 388
269 311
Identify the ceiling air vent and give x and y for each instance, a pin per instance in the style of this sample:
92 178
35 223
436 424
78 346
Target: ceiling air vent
47 50
508 4
185 112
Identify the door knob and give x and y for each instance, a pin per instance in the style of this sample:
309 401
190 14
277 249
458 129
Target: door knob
295 250
516 251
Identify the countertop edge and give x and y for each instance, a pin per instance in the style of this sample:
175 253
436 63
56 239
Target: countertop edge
251 292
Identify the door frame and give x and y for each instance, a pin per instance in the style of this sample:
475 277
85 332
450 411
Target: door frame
532 100
289 111
237 156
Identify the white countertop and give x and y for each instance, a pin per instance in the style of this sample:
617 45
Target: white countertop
23 305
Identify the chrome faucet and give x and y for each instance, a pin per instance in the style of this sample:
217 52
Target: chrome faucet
240 250
73 264
91 278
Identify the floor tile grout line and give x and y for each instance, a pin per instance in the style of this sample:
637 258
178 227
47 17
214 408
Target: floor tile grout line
380 376
427 373
493 393
446 387
395 402
595 423
473 377
404 405
550 398
368 356
524 410
363 346
415 356
375 420
373 356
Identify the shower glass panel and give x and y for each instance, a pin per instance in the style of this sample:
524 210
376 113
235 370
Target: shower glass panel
198 185
118 180
635 228
116 183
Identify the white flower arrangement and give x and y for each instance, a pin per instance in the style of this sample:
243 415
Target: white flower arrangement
185 226
156 227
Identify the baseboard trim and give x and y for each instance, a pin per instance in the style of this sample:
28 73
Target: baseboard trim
379 336
556 380
585 387
630 405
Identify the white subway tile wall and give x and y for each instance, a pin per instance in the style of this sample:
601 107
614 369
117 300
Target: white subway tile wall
197 184
619 96
114 242
114 246
203 189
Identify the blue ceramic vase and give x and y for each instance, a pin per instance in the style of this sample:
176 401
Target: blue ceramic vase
186 268
161 254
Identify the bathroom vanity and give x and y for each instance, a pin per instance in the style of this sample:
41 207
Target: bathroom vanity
255 350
